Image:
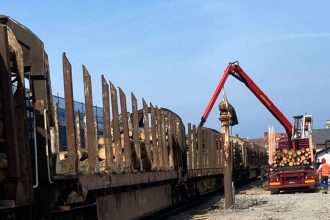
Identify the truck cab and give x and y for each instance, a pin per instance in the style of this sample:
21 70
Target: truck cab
302 126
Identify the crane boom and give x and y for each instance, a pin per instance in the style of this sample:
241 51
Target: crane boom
235 70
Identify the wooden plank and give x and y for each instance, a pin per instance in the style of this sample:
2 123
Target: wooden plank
77 121
56 129
154 147
164 142
213 151
107 125
124 118
69 116
183 135
147 130
209 153
206 148
96 138
189 142
218 150
89 121
170 141
159 139
194 147
136 135
204 155
85 132
200 148
118 162
176 155
179 132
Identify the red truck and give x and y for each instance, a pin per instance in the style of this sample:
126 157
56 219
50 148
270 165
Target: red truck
291 159
298 170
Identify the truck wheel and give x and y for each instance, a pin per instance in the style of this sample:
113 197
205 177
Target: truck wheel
274 191
312 189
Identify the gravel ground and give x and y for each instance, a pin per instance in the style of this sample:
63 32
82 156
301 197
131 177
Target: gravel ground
252 202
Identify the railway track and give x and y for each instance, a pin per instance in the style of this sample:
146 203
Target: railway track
170 213
199 205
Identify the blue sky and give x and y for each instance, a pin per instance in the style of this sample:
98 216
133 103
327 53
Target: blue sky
173 53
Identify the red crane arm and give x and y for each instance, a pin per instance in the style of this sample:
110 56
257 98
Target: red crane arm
215 95
235 70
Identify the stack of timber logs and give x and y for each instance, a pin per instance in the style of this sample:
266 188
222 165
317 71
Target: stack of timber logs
289 157
101 154
82 154
101 151
101 143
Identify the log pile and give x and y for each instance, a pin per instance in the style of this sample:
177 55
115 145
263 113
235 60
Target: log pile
289 157
102 155
83 153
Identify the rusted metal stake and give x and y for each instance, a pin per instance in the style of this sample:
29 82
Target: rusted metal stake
107 124
154 147
159 139
194 147
200 147
146 130
90 130
69 116
56 129
127 144
189 146
118 162
164 144
225 122
135 122
78 136
170 141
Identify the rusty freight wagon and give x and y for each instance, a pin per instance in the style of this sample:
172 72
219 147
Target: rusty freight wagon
60 159
103 165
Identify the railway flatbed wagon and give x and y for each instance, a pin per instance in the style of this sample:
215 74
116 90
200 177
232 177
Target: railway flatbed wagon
60 159
103 165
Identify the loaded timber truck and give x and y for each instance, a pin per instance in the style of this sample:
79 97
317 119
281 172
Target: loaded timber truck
291 161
